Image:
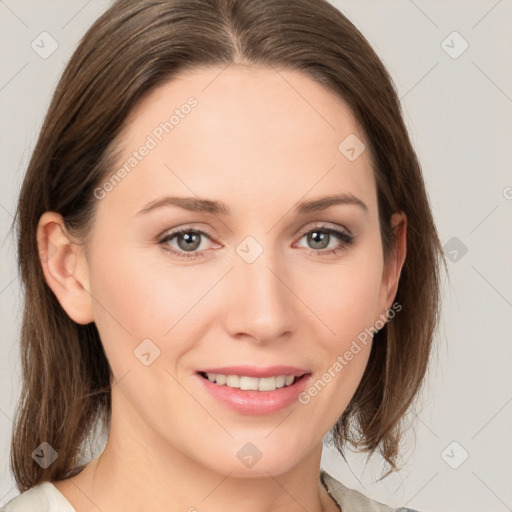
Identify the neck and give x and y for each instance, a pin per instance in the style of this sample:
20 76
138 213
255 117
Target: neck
137 470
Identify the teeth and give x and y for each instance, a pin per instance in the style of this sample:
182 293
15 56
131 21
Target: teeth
251 383
232 381
267 384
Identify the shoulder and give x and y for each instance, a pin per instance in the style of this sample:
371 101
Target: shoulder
350 500
41 498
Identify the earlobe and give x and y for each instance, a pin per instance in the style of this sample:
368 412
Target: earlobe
65 267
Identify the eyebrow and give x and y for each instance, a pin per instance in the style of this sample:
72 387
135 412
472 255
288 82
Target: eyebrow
195 204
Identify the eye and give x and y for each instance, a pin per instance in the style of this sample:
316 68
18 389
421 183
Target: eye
187 240
188 243
320 238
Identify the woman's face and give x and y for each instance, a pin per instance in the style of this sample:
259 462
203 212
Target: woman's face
255 285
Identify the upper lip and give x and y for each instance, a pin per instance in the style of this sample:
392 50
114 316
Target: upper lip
254 371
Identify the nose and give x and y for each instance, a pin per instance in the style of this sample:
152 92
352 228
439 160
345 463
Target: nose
261 304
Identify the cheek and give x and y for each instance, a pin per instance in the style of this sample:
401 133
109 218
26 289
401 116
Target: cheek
139 295
346 304
345 297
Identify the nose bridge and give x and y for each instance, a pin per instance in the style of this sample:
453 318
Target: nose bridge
261 304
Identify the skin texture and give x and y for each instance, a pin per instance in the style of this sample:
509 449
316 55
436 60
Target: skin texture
260 140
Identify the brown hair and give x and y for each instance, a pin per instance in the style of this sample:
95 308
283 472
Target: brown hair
130 50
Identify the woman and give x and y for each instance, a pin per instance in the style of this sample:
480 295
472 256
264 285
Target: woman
228 252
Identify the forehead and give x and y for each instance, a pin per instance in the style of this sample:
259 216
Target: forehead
240 133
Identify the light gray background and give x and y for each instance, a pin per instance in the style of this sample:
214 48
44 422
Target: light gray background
459 113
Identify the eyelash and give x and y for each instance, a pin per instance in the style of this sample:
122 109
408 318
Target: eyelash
343 236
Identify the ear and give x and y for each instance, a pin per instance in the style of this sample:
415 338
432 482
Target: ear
393 268
65 267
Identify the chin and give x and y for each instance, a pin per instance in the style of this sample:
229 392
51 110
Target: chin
261 457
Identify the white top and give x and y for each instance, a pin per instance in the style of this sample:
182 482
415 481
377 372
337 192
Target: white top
45 497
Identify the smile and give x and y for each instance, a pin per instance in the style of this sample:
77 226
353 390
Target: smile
266 391
245 382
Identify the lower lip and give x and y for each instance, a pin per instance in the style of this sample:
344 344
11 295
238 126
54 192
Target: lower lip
256 403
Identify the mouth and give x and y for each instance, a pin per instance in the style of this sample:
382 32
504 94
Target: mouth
248 383
254 391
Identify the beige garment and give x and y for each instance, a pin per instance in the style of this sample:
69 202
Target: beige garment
350 500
